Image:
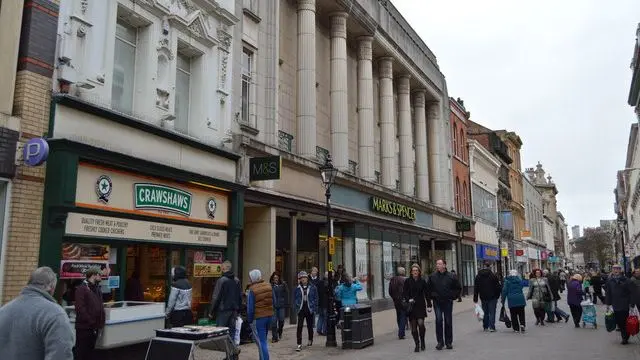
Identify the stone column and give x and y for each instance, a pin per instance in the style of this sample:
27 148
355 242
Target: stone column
387 124
366 123
338 92
306 75
405 137
437 188
422 160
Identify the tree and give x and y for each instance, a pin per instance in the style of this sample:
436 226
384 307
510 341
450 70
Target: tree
596 244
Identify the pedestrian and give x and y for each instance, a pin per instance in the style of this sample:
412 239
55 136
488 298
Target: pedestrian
540 295
321 285
586 283
618 297
455 276
280 303
416 293
634 287
596 284
347 291
487 287
574 298
260 311
396 292
90 316
512 294
443 289
226 300
306 297
178 309
563 279
554 312
33 326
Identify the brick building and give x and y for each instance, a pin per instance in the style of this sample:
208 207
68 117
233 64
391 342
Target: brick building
462 186
28 41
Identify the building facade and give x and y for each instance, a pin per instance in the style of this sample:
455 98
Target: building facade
533 234
634 90
491 141
462 187
484 195
575 231
548 189
353 80
140 175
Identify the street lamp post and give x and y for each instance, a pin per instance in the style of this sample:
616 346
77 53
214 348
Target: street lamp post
328 174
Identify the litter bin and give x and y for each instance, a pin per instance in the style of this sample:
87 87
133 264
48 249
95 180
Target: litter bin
357 327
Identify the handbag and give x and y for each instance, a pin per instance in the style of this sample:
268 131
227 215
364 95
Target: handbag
407 306
505 318
610 321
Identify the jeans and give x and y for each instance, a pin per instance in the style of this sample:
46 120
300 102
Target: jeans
227 319
489 308
444 317
321 325
260 329
277 323
86 343
401 319
517 318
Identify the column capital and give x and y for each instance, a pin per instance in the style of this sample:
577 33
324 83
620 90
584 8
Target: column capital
365 48
339 24
385 65
419 97
433 109
403 84
307 5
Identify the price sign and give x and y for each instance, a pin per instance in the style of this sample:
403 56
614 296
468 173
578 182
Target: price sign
330 266
332 245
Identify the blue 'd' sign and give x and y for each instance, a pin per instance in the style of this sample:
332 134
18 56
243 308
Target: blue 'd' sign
35 152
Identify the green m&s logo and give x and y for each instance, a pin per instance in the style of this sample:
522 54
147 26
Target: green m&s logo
162 197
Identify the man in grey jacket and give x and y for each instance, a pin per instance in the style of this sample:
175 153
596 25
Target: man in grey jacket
33 326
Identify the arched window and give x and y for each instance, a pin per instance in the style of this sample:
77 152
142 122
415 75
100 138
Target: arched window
463 145
457 194
465 198
455 139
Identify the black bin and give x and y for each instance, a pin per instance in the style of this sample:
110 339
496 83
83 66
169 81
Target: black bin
357 327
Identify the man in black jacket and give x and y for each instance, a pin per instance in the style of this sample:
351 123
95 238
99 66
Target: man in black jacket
487 286
396 288
226 300
443 288
597 283
618 293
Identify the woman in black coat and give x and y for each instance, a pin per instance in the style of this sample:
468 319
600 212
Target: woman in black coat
415 292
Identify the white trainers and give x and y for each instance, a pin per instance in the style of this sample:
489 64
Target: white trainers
299 348
522 331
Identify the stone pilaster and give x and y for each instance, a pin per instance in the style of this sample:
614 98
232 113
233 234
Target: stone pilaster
407 180
422 159
437 183
366 123
338 92
306 77
387 123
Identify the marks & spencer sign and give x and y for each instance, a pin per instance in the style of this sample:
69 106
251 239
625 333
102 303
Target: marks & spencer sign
393 208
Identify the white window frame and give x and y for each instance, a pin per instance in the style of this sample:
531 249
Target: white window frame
135 60
246 116
188 106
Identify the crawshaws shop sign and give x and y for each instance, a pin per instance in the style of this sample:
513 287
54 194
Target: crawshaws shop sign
393 208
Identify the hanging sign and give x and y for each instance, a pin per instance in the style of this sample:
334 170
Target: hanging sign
332 245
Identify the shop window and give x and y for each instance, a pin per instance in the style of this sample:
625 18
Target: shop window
389 270
183 92
285 141
348 255
202 270
405 255
124 67
150 264
376 274
362 267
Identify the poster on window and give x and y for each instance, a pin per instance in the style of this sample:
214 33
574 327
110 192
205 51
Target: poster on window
362 267
387 250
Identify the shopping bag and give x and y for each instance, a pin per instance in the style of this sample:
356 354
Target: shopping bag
610 321
236 334
505 318
633 324
479 312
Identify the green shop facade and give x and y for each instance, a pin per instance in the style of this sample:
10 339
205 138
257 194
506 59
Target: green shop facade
136 201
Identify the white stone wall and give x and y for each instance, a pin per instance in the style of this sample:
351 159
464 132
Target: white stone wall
533 210
549 232
201 30
484 173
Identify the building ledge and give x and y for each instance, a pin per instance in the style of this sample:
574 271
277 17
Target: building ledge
249 129
251 15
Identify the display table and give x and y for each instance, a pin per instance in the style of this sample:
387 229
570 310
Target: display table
180 343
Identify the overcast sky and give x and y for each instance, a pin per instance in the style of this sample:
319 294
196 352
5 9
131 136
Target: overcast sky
555 72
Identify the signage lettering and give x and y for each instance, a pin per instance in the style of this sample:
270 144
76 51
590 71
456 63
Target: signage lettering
162 197
463 225
35 152
490 252
393 208
265 168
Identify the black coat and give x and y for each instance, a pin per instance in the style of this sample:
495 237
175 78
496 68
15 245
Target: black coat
554 285
618 293
596 283
418 290
443 286
486 286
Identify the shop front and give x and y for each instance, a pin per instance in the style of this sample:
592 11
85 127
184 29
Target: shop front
534 258
522 261
487 253
544 259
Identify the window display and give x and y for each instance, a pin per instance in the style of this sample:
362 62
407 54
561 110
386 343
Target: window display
375 276
388 266
362 267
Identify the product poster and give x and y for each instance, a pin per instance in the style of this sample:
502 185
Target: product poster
77 258
207 270
362 267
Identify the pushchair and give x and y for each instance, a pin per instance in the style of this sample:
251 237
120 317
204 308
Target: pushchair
589 315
